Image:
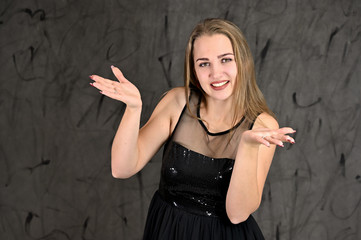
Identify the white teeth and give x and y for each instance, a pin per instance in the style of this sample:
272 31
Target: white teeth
219 84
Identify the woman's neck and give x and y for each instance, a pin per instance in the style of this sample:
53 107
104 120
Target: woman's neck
218 114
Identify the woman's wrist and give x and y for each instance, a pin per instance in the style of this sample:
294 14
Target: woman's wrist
134 109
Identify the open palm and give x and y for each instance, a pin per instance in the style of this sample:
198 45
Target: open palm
121 90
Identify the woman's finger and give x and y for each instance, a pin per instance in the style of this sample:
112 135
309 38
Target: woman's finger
286 130
98 78
102 80
264 141
105 87
113 95
273 140
118 74
105 84
283 138
290 139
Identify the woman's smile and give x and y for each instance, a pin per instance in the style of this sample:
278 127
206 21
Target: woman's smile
219 85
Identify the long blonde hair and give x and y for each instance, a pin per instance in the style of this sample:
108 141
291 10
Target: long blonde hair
247 97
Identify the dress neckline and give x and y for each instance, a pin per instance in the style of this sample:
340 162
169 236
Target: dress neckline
206 129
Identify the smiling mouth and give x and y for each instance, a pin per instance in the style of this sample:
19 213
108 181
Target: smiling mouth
219 84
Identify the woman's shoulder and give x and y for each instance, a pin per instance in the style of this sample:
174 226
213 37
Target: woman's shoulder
175 97
266 120
174 101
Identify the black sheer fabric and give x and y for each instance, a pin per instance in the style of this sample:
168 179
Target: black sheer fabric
196 170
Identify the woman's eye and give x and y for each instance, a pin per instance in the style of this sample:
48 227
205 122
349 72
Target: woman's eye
224 60
204 64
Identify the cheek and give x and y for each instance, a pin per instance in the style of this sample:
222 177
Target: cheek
201 74
232 70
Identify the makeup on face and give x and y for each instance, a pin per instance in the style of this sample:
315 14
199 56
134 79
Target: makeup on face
215 66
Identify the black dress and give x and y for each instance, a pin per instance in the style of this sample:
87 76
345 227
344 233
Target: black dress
196 170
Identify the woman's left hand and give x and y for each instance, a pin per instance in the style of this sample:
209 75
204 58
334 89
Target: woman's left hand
267 136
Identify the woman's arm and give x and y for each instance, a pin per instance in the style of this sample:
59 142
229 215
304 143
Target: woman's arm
253 160
133 148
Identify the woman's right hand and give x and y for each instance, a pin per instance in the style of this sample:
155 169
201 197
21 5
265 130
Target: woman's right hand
123 90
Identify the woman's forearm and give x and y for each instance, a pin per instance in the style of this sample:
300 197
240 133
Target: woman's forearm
125 154
243 196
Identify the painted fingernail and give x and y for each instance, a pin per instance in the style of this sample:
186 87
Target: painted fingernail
91 76
91 84
281 145
112 66
290 140
101 92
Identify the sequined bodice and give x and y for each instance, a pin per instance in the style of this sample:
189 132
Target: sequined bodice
197 167
194 182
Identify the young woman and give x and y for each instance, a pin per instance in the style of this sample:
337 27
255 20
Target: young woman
219 138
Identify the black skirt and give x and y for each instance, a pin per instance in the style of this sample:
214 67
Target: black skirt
168 222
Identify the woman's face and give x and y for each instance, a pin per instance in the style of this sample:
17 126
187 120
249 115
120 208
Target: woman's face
215 65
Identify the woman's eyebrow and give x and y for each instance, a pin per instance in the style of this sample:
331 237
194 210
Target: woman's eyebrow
202 59
220 56
225 54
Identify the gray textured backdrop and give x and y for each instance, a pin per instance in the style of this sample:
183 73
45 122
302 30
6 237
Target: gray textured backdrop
56 130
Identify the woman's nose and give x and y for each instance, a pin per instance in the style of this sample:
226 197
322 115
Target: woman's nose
216 71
